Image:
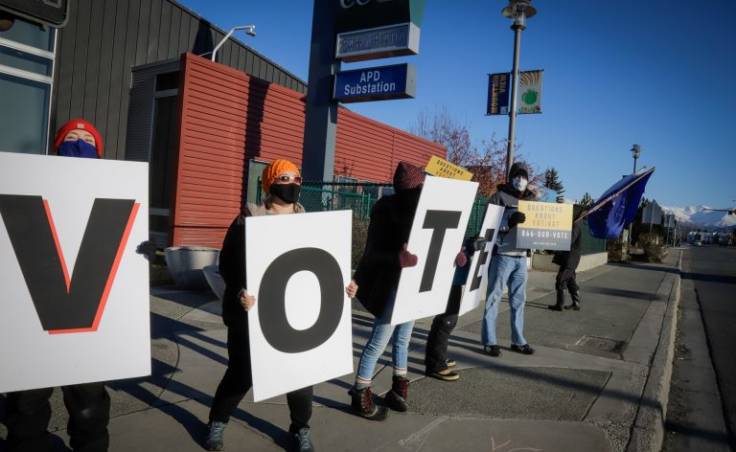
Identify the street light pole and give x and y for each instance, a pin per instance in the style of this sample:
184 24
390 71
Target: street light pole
519 11
635 152
250 30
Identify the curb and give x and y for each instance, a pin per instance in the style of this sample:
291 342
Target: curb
647 433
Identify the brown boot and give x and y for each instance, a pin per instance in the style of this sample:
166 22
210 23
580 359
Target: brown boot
398 395
364 406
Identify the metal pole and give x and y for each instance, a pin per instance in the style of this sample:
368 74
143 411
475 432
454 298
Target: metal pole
631 225
518 28
320 123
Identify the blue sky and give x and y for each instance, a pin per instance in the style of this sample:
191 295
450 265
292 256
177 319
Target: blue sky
660 73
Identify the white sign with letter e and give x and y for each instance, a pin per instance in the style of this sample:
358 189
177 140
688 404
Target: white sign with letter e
300 327
436 237
74 301
475 288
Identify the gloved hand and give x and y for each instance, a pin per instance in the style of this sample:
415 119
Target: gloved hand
516 218
406 259
461 259
479 244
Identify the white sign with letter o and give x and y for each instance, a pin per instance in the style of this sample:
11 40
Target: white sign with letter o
436 238
300 327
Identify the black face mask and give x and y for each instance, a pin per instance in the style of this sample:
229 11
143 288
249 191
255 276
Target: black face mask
288 193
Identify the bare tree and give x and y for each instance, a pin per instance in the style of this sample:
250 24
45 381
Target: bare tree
487 163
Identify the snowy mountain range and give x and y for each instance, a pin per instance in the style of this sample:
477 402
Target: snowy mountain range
698 215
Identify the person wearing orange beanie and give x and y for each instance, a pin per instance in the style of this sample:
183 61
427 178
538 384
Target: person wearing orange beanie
281 183
79 138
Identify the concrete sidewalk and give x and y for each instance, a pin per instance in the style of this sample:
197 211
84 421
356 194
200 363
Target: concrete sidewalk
585 388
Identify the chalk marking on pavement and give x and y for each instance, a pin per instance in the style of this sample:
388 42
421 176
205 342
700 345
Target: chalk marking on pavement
416 440
502 446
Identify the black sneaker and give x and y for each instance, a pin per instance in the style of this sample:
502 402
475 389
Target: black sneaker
215 436
492 350
555 307
303 440
523 349
364 406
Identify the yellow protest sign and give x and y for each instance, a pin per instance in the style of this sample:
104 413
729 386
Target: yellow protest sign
548 226
443 168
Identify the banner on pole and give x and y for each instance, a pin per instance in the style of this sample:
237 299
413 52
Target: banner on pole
499 89
530 92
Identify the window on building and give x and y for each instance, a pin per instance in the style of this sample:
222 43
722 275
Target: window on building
26 83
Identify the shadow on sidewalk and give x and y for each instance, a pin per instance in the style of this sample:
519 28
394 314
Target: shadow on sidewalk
703 277
162 377
709 435
623 293
645 266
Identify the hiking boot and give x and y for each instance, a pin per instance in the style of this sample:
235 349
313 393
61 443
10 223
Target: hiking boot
523 349
450 363
492 350
364 406
444 375
215 436
396 397
303 440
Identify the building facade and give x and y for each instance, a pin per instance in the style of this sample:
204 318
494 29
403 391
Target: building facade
140 70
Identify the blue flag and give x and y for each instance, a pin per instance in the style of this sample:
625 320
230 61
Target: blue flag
617 207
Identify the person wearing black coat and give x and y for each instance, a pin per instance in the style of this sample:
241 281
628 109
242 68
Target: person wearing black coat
376 279
281 181
568 262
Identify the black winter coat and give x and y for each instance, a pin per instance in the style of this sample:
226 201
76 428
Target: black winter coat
569 260
378 271
232 270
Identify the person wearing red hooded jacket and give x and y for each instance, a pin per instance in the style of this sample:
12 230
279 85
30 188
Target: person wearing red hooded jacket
88 404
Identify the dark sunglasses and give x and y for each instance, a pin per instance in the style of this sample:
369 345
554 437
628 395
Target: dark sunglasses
285 179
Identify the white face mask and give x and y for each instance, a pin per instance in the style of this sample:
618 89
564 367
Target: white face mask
519 183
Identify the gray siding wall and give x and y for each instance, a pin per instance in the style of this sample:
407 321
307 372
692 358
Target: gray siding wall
104 39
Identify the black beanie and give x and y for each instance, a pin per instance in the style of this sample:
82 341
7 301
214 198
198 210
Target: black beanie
518 169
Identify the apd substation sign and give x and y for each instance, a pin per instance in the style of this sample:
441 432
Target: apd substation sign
379 83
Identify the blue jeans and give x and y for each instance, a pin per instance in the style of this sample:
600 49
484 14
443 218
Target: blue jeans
382 332
505 270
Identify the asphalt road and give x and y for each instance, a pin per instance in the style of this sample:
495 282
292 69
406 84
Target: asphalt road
702 408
